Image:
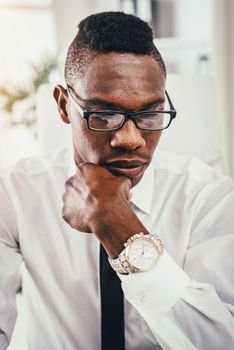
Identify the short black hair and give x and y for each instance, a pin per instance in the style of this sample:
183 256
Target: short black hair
109 32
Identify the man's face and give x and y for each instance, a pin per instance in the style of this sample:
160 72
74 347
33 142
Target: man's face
123 82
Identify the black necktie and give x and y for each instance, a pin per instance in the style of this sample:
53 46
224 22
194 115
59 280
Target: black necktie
112 306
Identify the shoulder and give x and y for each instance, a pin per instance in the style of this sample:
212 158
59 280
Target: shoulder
35 168
188 173
39 164
28 186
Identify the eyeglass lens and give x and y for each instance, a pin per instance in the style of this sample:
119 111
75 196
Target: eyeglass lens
156 121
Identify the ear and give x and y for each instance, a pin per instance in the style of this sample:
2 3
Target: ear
60 95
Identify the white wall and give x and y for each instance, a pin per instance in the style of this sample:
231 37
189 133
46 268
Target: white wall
194 19
224 53
68 14
26 36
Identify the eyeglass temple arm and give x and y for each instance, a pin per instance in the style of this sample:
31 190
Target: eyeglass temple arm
78 107
169 101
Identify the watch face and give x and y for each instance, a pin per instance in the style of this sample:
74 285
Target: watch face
142 253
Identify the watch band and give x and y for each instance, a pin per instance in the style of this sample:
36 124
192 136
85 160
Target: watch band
117 266
121 264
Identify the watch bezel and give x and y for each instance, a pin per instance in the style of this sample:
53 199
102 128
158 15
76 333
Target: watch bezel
122 264
128 257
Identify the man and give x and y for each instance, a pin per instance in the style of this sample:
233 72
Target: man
166 224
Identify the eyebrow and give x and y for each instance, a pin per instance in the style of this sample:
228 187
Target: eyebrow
109 105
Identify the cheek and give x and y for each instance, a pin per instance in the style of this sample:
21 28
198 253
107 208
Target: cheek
152 140
89 146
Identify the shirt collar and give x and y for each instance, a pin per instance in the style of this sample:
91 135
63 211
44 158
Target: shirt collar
142 193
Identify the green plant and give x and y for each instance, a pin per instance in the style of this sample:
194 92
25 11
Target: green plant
12 96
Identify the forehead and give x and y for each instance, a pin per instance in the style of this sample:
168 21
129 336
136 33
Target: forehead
127 80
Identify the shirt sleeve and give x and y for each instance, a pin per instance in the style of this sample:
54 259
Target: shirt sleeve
191 306
10 261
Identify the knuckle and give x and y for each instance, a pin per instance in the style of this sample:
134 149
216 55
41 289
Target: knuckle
68 183
73 224
128 183
125 182
64 197
68 218
64 214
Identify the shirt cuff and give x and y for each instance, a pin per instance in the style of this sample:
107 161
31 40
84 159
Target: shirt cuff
3 341
156 291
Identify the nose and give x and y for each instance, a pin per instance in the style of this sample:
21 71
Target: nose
128 137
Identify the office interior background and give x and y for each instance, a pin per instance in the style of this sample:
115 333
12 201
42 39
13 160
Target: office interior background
195 38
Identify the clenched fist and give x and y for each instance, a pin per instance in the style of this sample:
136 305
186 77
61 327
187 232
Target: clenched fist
96 201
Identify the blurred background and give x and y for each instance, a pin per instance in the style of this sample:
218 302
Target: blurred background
195 38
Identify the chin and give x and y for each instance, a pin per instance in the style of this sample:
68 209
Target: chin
136 180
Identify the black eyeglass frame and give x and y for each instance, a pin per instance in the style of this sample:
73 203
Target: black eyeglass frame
127 115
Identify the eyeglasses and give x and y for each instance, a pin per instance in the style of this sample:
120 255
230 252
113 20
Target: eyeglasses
110 120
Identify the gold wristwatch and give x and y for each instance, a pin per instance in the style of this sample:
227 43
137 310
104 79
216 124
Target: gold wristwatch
141 253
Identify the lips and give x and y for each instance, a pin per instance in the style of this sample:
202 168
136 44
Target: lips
128 168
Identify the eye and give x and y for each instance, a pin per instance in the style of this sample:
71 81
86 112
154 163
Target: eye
105 120
153 120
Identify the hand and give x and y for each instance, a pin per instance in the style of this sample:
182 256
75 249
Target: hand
97 201
92 194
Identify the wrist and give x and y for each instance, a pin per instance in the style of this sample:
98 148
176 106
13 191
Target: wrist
114 230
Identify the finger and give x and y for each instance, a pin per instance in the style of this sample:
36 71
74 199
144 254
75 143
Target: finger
126 187
129 196
126 183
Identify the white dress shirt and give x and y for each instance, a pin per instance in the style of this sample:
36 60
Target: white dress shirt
185 302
